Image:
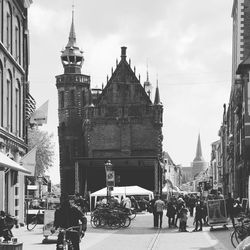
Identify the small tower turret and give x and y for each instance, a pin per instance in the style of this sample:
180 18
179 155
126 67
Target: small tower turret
72 56
157 95
148 86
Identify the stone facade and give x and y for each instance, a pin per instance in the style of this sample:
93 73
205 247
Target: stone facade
15 101
235 128
118 123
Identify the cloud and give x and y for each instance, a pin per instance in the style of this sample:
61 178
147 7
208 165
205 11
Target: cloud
186 43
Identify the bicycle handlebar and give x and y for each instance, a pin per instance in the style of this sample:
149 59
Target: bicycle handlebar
70 228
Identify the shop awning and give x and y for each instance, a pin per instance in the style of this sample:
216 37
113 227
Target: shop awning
6 162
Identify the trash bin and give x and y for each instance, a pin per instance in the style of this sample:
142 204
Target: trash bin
11 246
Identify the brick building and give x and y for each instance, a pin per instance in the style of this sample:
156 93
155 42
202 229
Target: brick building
235 129
16 103
118 123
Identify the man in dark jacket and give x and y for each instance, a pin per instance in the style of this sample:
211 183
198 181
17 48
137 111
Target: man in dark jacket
68 216
198 216
153 210
171 211
230 208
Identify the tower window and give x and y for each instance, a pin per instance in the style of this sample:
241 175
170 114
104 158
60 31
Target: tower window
72 97
61 97
83 99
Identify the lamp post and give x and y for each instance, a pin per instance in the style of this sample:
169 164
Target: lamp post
109 177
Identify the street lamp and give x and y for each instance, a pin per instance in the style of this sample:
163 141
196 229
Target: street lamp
109 177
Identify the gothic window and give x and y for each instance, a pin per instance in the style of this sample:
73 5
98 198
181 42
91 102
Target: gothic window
18 108
61 98
72 98
17 40
9 28
1 95
9 102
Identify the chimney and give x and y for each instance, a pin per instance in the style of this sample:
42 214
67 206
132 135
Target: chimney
123 53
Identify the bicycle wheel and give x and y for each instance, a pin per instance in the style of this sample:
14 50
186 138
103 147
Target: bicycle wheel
234 239
95 222
133 215
125 222
32 224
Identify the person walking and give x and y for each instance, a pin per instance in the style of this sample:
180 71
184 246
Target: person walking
179 205
230 208
191 205
159 207
198 216
152 210
183 219
171 211
204 212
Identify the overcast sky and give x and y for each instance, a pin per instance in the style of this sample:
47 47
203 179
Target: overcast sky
187 43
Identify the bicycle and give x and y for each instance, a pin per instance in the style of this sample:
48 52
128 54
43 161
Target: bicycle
67 243
36 219
241 231
112 218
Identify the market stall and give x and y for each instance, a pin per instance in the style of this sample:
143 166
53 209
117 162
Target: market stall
120 193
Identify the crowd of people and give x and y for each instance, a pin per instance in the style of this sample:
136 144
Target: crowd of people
179 208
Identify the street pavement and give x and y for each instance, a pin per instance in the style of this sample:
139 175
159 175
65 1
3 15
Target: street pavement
139 236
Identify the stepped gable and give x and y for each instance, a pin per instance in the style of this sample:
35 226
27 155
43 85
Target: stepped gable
126 84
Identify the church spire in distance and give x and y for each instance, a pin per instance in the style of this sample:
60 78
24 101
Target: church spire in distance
198 156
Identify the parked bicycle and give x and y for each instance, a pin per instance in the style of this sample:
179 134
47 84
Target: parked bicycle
34 220
106 217
241 230
66 236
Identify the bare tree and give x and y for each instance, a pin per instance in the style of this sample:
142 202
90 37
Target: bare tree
45 149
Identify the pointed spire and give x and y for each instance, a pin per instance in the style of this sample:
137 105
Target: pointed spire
157 95
72 56
147 85
72 33
198 156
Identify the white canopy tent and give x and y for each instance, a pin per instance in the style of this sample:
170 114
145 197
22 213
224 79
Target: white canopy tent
121 192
